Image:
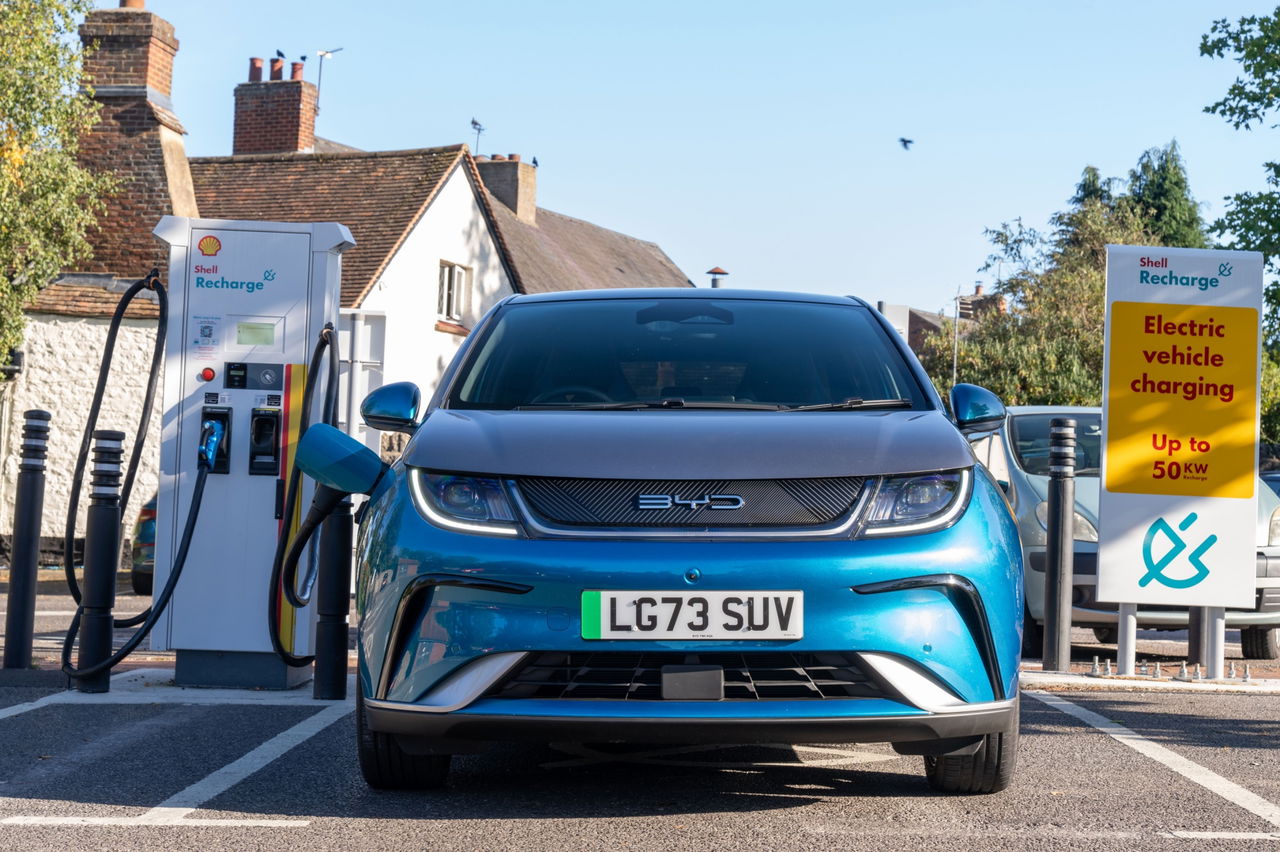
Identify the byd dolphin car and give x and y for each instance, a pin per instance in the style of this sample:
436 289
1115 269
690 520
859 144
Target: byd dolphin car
687 516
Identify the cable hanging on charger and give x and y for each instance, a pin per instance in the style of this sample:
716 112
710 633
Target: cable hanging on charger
284 566
150 281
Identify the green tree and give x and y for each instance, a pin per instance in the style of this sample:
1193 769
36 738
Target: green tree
47 200
1046 347
1159 193
1252 219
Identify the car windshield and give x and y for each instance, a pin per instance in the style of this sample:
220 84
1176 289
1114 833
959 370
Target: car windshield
686 353
1273 482
1029 437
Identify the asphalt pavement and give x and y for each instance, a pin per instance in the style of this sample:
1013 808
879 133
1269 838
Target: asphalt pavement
1103 765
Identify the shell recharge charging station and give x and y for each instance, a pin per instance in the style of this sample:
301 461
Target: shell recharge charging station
248 300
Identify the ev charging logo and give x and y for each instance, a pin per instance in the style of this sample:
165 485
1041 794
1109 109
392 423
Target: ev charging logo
1156 567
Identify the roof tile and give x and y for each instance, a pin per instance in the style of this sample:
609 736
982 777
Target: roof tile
378 195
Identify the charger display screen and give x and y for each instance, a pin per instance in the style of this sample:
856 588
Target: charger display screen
255 334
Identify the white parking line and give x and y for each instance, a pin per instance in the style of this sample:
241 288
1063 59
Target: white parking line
174 810
1194 772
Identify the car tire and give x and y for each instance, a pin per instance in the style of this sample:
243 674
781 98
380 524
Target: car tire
141 582
386 766
1032 637
987 770
1260 643
1107 635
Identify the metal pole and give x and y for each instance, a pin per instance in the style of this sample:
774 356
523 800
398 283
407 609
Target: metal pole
101 547
1214 641
333 600
955 343
1127 642
1195 635
1059 546
28 513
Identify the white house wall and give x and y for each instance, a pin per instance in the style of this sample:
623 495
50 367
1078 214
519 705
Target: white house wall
452 229
61 369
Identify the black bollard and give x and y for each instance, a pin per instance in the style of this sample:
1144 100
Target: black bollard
101 546
333 601
1060 545
28 513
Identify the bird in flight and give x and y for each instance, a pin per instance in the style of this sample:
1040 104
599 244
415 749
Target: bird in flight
906 143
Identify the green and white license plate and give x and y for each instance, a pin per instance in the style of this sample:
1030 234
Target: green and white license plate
692 615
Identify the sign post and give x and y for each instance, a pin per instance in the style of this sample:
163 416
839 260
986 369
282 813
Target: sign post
1180 417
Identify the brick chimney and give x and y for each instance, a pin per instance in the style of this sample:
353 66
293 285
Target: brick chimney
512 182
275 116
137 136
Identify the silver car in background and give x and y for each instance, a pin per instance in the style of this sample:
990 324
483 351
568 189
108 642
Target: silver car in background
1017 455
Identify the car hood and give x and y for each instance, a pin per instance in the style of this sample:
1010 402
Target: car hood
687 444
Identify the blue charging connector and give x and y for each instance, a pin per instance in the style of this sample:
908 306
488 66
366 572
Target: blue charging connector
211 433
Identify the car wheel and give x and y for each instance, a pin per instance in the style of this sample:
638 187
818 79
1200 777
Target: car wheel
1107 635
386 766
1260 643
141 582
1032 637
987 770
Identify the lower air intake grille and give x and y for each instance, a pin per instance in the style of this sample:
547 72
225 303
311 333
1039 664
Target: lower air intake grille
621 676
709 503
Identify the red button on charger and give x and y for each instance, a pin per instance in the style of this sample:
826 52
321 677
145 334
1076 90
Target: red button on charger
207 374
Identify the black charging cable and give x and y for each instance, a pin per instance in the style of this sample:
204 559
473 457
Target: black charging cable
211 435
151 281
284 566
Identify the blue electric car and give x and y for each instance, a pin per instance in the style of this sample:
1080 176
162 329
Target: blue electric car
687 515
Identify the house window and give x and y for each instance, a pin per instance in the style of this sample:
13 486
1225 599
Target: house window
455 291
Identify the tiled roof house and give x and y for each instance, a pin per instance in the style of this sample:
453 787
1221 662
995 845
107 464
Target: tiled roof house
440 237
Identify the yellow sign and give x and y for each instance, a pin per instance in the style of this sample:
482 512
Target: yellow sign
1182 399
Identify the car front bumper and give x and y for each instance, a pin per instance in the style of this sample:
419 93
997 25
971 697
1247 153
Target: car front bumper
933 619
677 721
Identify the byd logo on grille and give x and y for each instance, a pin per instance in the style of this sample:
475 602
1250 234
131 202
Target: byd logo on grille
710 501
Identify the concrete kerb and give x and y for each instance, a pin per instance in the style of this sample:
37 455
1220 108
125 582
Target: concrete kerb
1073 682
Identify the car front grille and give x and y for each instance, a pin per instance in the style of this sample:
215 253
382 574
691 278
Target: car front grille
721 503
622 676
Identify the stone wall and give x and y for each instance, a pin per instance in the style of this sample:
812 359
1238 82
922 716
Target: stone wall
62 358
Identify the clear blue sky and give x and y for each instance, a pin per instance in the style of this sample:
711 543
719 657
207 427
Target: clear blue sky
761 136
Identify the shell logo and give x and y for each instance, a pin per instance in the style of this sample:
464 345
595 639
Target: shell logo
209 246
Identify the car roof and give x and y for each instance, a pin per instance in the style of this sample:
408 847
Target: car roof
685 293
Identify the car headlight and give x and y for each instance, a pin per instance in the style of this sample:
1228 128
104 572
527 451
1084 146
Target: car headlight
920 503
1081 529
1273 529
471 504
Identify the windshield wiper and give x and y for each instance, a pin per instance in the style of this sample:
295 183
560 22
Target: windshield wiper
671 402
855 402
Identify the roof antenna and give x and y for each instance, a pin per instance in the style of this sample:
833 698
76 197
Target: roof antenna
478 128
323 54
